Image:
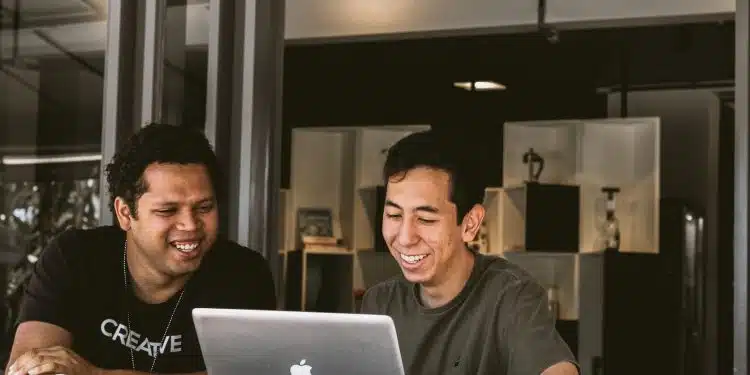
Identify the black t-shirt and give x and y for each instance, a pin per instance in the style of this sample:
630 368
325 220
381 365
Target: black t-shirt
499 324
78 284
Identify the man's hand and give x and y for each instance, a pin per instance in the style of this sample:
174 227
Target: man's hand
54 360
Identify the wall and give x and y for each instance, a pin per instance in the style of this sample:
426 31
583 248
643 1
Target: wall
70 106
690 170
307 19
59 105
312 20
18 108
686 117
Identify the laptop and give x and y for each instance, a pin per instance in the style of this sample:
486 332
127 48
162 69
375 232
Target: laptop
296 343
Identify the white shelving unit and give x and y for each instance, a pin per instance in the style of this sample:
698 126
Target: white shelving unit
590 154
555 141
340 168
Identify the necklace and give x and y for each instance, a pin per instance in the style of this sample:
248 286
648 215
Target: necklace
127 310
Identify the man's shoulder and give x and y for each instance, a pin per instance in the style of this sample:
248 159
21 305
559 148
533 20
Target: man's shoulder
95 235
227 255
495 276
394 284
503 278
502 271
231 251
379 295
80 243
235 276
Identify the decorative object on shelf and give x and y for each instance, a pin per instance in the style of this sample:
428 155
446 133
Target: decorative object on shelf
314 229
591 154
313 222
532 159
610 229
324 244
553 301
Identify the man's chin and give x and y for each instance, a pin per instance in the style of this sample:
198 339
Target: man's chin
416 277
182 268
180 272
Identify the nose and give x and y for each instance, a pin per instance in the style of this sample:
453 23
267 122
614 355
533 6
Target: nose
407 233
188 221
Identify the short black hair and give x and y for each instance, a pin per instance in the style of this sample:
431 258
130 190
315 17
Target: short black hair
157 143
434 150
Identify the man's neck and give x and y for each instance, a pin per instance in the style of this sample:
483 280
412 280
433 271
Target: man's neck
450 287
150 285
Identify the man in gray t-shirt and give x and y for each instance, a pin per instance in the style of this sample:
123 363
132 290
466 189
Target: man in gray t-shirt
456 312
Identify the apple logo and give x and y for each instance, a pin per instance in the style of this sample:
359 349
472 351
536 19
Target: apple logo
301 368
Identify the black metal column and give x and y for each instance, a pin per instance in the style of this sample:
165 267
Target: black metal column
244 118
120 93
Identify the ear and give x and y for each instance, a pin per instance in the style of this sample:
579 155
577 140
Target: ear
472 223
123 213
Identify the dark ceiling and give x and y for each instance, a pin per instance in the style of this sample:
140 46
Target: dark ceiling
411 80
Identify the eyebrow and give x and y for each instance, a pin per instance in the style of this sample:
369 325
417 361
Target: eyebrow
430 209
173 203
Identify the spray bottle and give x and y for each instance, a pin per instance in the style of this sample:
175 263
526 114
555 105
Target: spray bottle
610 231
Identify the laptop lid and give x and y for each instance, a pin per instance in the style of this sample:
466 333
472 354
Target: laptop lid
296 343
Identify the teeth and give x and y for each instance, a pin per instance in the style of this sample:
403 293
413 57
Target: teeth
186 247
412 258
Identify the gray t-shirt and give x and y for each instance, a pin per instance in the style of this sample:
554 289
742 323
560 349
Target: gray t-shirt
499 324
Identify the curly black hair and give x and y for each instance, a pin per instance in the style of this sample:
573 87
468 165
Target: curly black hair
438 151
156 143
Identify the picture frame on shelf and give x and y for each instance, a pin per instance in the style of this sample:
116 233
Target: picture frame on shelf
313 222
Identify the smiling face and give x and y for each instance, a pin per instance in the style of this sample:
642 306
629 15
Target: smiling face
176 221
420 225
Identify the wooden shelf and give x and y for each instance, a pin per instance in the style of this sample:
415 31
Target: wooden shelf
327 250
588 154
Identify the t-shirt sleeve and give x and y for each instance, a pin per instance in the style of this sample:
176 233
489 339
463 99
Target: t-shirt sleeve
529 337
49 295
377 299
369 302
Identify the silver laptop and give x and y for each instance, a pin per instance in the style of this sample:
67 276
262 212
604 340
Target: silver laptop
296 343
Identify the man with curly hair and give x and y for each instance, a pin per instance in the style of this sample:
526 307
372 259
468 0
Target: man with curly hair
118 300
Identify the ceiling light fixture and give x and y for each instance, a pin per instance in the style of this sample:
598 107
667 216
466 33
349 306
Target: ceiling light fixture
33 160
479 86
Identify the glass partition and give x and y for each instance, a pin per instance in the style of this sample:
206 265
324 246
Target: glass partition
185 63
51 80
